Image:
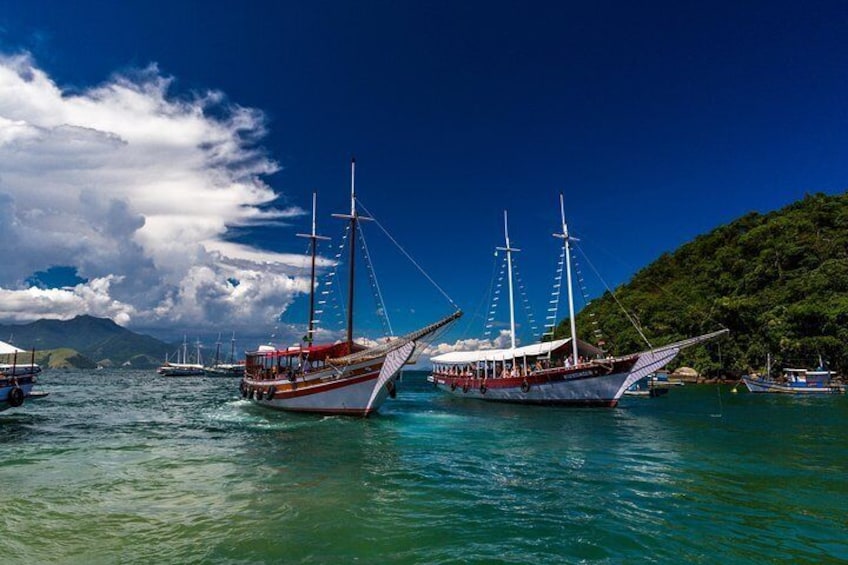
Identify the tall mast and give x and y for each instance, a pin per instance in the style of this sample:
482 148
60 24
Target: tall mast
217 349
313 245
509 251
354 221
566 239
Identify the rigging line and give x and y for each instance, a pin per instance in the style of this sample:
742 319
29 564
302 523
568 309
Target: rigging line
483 300
373 276
495 292
423 345
341 304
557 288
330 280
626 313
528 310
408 256
584 294
690 307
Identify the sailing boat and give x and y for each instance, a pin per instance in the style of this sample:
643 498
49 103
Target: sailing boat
335 378
182 368
230 369
566 372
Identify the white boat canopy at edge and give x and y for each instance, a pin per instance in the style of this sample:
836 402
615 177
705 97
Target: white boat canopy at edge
533 350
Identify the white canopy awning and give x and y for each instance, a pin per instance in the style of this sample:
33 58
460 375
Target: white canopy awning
534 350
8 348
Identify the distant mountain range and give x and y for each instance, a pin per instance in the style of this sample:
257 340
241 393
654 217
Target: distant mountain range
86 342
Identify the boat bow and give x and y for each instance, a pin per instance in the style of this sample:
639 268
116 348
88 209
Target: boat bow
652 360
395 344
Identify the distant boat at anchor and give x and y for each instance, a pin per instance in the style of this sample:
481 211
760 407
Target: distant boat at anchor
566 372
651 386
796 381
232 368
182 367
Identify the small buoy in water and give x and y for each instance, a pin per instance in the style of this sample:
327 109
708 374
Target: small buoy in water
733 390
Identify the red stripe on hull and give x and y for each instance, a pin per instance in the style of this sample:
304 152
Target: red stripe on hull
595 384
327 412
575 403
327 397
306 389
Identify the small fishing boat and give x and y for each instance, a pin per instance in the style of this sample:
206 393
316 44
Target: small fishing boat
182 367
797 381
17 380
564 372
335 378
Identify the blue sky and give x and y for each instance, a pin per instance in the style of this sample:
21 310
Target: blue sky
658 121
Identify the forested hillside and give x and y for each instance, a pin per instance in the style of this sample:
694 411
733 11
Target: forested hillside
778 282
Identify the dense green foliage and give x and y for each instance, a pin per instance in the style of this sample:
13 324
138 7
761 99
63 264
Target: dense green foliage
778 282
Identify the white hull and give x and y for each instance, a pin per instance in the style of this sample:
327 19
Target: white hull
572 390
181 370
357 389
764 385
225 370
7 396
596 383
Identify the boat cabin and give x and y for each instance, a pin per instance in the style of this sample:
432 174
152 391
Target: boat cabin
269 363
806 377
518 362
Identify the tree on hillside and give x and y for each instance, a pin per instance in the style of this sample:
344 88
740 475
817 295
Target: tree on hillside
778 282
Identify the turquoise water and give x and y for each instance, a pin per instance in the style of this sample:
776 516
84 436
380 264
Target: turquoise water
128 467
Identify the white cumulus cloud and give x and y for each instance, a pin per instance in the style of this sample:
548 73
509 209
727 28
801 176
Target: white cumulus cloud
502 341
137 189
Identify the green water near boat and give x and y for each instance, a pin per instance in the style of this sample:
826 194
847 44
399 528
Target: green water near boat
129 467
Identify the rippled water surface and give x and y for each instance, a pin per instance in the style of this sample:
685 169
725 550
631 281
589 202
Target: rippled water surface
128 467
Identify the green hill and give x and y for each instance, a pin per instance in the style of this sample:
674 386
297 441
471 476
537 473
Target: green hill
63 358
97 340
778 282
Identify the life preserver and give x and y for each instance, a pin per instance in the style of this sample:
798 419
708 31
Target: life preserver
525 386
390 386
483 388
16 397
269 394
